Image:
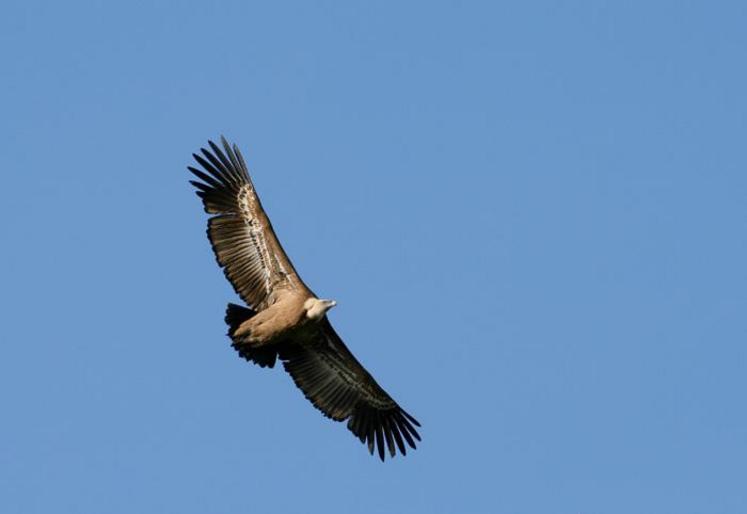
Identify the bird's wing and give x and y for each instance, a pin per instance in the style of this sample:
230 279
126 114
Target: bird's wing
339 386
241 234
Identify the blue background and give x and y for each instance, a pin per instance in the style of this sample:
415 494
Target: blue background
533 216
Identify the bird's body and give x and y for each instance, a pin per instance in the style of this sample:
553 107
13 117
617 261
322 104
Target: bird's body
284 318
291 318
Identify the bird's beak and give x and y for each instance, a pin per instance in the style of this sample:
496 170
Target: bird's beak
332 303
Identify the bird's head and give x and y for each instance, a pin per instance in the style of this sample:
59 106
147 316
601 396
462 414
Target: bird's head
316 308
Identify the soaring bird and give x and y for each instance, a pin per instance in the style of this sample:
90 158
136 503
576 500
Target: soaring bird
284 319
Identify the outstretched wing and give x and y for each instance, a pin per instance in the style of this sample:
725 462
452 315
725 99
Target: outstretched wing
339 386
241 234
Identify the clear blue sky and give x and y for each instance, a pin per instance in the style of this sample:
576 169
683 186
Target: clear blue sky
533 217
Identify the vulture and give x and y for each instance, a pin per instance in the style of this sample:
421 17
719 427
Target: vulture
283 320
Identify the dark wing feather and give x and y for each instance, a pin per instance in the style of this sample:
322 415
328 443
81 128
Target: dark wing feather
240 233
339 386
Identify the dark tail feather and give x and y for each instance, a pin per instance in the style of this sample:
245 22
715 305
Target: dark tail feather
235 316
264 356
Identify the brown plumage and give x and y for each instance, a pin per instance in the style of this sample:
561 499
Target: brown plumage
284 318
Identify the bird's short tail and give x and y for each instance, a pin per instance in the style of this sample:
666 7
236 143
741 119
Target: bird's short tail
235 316
265 356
